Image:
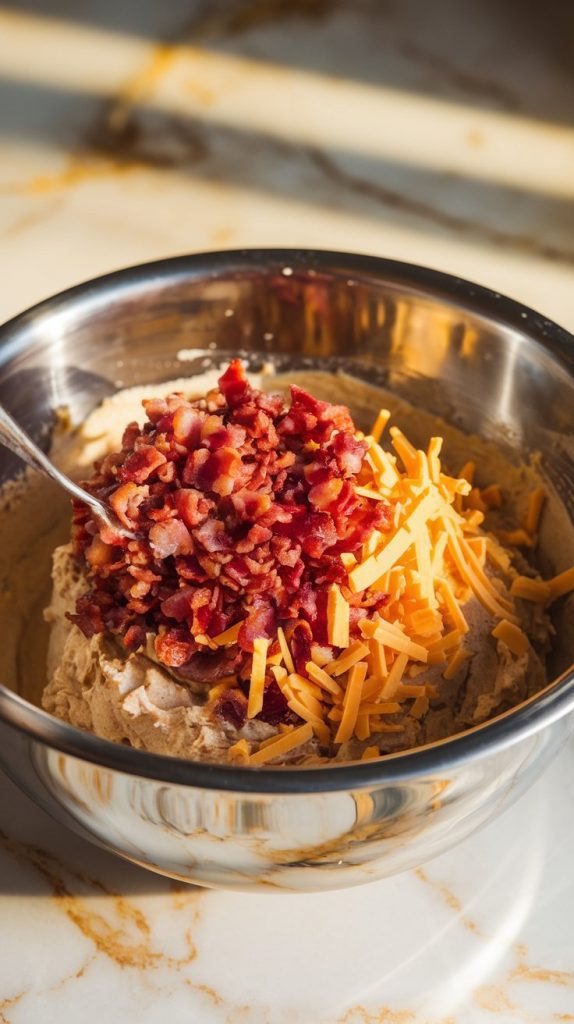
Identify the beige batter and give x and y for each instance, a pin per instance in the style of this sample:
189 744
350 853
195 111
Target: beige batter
133 700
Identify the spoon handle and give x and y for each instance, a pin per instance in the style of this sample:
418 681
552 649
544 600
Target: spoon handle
14 437
18 441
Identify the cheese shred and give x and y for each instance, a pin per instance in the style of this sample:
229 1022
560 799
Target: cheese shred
257 681
288 741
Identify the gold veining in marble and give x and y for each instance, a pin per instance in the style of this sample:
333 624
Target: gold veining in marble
124 935
75 975
8 1004
498 996
384 1015
524 971
450 899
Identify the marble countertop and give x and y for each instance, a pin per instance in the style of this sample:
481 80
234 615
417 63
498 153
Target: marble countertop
439 134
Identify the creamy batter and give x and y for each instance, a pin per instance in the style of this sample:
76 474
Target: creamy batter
134 700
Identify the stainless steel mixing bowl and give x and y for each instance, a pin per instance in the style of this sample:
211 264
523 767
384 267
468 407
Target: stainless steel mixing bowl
490 365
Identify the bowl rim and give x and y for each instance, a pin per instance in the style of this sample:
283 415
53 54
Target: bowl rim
503 731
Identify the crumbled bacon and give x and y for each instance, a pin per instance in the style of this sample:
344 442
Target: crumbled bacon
170 538
174 648
300 638
242 506
260 621
232 706
275 708
141 464
209 668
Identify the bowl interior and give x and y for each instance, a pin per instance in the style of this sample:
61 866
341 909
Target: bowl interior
483 364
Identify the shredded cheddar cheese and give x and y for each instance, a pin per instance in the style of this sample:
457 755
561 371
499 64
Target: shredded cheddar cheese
492 496
452 606
205 641
283 744
404 450
285 650
561 584
229 636
512 636
420 706
369 753
433 451
531 590
467 472
323 679
430 559
257 683
350 657
220 687
534 510
239 752
377 659
281 675
515 538
394 677
455 662
351 702
337 618
383 708
380 424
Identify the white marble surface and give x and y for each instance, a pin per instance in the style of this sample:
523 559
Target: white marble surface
436 133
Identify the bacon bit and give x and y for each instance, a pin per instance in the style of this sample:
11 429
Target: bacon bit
275 710
170 538
99 553
300 639
209 668
141 464
124 502
234 385
186 426
134 637
232 706
155 409
260 622
174 648
192 506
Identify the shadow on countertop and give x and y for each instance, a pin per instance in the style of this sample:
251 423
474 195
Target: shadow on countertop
486 54
524 73
97 144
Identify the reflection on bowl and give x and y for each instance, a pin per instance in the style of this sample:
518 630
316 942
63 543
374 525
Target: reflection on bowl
490 366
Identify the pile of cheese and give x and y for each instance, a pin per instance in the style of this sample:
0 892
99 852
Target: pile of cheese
430 563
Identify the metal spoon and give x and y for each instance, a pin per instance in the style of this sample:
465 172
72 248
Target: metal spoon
17 440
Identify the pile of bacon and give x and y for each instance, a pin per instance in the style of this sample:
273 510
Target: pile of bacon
242 506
